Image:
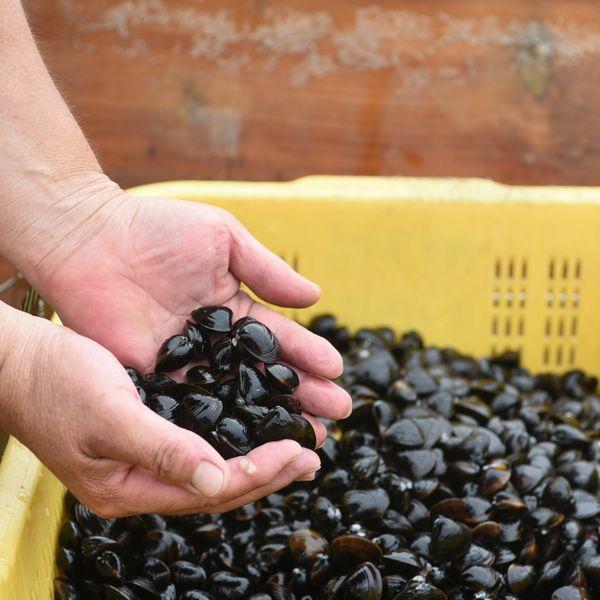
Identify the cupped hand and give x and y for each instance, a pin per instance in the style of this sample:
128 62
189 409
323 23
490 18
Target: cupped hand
130 274
72 403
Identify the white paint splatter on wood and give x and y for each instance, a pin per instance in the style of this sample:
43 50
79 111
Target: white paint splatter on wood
401 41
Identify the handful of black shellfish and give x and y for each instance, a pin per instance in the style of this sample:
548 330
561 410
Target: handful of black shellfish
453 479
228 399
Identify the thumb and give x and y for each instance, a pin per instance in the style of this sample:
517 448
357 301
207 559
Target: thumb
267 275
175 455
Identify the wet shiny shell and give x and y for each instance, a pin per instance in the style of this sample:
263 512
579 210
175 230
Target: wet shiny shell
361 504
201 412
214 319
365 583
353 549
281 377
200 376
251 383
276 425
449 539
221 357
255 341
198 338
165 406
175 352
306 545
236 434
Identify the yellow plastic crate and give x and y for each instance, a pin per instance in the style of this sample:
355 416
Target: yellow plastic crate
469 263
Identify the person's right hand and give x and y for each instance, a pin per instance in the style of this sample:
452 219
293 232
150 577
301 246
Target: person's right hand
72 403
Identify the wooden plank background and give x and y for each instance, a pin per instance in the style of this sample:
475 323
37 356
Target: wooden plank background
273 90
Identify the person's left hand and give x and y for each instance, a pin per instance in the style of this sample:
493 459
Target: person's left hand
130 277
130 274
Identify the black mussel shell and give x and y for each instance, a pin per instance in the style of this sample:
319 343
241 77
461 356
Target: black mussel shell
305 546
323 325
251 384
281 377
157 572
418 589
403 562
225 584
221 357
480 577
521 578
144 589
364 583
201 376
175 352
234 434
406 433
198 338
109 566
122 592
304 433
325 515
449 539
215 319
255 341
251 414
159 382
165 406
362 504
183 389
67 561
291 403
135 376
69 536
64 590
198 595
187 575
351 550
201 412
276 425
225 390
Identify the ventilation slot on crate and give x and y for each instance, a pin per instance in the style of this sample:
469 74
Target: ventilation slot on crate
509 301
561 312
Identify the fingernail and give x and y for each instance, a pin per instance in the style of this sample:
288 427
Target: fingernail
348 412
307 477
208 479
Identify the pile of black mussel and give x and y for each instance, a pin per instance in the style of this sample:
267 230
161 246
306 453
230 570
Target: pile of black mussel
454 478
226 398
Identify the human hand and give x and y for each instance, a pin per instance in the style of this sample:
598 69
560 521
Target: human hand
71 402
130 273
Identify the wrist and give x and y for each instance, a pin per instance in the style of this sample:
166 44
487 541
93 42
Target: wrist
43 223
20 336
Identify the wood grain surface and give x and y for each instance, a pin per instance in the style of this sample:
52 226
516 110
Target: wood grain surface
262 90
273 90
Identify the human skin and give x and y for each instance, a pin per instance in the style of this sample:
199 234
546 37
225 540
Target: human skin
123 273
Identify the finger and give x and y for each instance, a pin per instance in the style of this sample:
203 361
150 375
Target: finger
308 463
174 455
259 467
141 491
322 398
266 274
320 429
300 347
